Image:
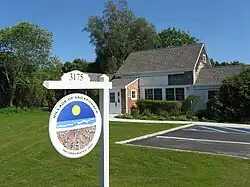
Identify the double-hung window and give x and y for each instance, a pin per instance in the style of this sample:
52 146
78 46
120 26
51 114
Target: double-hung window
153 94
175 94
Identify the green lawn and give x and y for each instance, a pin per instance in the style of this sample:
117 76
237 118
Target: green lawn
28 159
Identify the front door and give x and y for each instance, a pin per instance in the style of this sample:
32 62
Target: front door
115 101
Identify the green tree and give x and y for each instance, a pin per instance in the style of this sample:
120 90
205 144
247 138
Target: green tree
224 63
31 92
77 64
117 33
232 103
26 48
172 37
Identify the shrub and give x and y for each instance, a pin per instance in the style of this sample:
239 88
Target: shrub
189 114
195 118
165 114
143 117
134 111
201 114
147 113
161 118
232 103
189 102
12 110
125 116
157 106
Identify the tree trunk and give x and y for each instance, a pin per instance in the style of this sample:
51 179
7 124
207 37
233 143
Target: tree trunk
12 95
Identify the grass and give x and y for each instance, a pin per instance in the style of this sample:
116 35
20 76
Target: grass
28 159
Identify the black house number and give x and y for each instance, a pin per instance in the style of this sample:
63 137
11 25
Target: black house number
76 77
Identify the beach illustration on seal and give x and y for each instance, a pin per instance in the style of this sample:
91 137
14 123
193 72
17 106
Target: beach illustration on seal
76 126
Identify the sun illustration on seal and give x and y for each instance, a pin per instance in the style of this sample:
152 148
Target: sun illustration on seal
76 110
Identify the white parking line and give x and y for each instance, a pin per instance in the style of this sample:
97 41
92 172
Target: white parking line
226 132
154 134
213 129
203 140
237 130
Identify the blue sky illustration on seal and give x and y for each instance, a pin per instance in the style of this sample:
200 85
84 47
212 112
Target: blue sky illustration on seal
67 115
75 114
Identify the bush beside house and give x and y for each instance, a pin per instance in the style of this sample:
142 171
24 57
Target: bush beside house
163 110
232 102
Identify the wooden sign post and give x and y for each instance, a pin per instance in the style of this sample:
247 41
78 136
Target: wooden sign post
79 80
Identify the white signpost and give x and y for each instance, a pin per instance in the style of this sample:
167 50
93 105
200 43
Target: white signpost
76 113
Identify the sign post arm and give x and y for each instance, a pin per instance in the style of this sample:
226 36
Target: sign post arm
104 106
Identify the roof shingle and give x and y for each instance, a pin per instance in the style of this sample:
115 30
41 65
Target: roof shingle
216 75
121 83
163 59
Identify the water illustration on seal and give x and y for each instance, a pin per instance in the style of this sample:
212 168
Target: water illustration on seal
76 125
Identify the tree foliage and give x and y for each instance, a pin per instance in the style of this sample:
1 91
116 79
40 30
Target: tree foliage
232 103
23 48
174 37
224 63
117 33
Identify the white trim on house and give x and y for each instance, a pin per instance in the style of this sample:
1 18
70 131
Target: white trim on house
204 58
208 60
131 83
126 94
126 100
205 86
197 60
135 98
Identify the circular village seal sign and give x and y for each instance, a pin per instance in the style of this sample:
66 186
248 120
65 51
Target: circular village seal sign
75 125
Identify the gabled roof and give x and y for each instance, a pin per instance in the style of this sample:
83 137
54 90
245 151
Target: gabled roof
95 76
162 59
121 83
216 75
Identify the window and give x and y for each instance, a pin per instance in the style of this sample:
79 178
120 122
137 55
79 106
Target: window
170 94
179 94
158 94
153 94
211 94
118 97
149 94
112 97
173 94
133 95
204 58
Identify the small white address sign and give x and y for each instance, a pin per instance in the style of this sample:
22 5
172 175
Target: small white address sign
75 76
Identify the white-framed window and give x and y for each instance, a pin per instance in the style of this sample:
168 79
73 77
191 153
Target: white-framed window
158 94
153 94
179 94
149 94
175 94
133 95
112 97
204 58
170 94
118 97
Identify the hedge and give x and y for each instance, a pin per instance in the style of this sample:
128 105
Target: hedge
158 106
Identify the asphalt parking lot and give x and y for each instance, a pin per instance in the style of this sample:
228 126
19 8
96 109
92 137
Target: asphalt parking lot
203 138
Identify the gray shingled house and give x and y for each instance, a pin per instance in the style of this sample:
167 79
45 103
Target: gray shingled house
167 74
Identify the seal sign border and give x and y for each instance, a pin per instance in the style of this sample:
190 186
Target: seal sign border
53 121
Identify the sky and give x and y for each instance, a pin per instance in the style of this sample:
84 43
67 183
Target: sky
67 115
222 25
